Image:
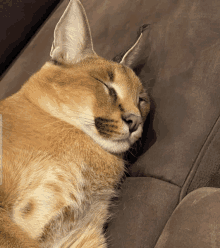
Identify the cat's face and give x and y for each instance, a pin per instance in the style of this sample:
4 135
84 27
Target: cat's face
104 99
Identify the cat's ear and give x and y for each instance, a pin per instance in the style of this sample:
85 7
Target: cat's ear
139 51
72 36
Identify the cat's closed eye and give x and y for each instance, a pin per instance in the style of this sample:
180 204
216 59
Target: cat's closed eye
141 99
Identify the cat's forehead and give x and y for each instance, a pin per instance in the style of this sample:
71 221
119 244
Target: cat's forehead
113 73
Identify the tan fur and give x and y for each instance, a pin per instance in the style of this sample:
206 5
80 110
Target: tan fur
59 172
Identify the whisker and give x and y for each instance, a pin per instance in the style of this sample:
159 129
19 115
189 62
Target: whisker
29 73
77 111
132 154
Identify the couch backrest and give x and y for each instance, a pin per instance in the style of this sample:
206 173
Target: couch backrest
19 22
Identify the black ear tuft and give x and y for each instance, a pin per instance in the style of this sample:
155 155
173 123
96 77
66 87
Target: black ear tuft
138 53
118 57
143 28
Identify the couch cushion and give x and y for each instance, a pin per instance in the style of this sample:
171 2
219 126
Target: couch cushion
142 212
195 222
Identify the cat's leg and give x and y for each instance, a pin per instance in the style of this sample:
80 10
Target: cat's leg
11 235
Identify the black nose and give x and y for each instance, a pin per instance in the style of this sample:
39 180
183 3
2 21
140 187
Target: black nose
133 121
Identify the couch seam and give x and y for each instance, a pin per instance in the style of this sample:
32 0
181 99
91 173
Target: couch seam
199 157
161 179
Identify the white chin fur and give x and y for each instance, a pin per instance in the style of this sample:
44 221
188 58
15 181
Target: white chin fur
114 146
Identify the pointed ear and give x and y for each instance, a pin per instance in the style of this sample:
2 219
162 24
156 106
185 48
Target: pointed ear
139 51
72 36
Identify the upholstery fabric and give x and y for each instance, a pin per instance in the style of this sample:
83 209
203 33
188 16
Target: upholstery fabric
185 57
19 20
32 57
205 171
141 212
195 222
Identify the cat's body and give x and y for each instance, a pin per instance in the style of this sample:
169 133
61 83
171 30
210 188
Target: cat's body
62 136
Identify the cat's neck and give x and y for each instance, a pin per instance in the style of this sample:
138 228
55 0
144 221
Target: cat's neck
35 123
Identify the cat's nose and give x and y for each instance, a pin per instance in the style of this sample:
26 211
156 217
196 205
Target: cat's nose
133 121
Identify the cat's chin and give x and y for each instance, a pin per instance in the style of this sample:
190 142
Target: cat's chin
116 146
112 146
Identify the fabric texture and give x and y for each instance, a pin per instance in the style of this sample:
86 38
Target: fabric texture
141 212
205 171
195 222
185 57
20 19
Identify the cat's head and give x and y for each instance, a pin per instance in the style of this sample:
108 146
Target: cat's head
103 98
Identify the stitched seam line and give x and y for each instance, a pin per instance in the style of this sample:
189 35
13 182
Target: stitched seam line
199 158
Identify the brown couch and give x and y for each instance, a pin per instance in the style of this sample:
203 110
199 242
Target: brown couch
181 140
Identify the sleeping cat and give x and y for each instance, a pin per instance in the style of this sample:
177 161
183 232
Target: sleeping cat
64 134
